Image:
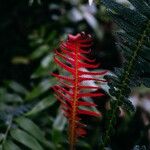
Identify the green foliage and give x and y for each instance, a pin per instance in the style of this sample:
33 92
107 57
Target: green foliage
25 139
135 46
11 146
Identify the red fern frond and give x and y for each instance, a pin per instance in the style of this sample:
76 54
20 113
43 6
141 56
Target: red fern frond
72 58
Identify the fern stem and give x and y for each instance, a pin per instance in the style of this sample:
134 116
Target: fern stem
75 62
7 131
72 128
124 82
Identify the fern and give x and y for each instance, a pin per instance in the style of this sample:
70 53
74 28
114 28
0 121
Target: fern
70 94
135 46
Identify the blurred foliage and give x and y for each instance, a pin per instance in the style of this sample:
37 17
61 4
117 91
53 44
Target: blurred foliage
30 116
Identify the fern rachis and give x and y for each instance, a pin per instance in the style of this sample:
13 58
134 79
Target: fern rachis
71 90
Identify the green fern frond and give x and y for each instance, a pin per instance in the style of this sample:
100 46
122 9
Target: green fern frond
135 45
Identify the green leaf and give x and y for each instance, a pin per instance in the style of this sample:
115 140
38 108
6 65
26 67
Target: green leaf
128 28
40 51
57 136
25 139
84 145
145 53
59 122
2 136
43 104
58 127
146 82
40 89
29 126
47 60
9 145
141 6
16 87
7 97
134 17
20 60
42 72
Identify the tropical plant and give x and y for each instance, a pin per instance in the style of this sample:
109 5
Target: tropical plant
73 89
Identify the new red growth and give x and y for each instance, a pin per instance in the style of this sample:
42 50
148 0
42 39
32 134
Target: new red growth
71 90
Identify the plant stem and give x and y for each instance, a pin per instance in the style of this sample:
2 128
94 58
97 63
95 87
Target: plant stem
7 130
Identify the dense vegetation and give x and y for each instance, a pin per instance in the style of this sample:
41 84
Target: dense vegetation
30 115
